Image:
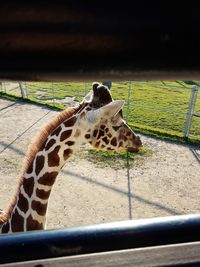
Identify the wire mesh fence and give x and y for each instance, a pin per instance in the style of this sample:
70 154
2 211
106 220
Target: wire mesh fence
160 108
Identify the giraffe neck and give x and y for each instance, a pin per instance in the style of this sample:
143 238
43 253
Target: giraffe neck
28 211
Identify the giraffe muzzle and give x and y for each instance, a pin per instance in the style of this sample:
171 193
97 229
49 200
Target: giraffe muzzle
136 147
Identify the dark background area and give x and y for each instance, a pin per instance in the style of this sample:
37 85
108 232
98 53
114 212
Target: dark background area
83 40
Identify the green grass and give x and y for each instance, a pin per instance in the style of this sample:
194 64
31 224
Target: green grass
58 90
116 160
31 101
154 109
153 105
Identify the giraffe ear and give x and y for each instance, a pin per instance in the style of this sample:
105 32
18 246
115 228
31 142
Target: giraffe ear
109 110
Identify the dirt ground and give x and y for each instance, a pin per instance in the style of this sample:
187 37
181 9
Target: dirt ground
165 183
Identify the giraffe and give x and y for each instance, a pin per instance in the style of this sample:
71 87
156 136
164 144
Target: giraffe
96 120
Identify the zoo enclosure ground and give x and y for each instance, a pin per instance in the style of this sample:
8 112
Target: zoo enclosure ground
161 184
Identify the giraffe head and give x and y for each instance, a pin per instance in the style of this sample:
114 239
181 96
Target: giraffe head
108 129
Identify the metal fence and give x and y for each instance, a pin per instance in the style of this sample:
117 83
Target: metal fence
188 114
156 106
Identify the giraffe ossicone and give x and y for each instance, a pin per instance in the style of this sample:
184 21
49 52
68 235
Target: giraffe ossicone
96 120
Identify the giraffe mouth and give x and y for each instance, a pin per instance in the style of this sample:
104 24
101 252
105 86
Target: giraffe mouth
137 145
135 149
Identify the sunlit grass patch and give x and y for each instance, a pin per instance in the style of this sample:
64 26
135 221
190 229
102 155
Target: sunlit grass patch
116 160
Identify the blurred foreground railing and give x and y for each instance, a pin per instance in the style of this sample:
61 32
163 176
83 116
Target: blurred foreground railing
99 238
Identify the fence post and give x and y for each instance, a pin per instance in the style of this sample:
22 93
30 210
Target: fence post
26 90
53 94
190 112
127 157
4 85
22 90
128 101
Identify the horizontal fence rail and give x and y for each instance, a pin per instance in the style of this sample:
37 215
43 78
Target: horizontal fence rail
99 238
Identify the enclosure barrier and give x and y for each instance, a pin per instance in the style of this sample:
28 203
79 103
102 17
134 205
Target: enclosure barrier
99 238
23 89
191 113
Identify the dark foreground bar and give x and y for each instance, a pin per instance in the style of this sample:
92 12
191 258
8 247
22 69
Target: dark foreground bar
99 238
102 40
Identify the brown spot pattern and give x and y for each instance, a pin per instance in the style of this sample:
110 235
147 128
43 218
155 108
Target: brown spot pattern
114 141
17 222
97 144
77 133
30 168
39 207
28 186
43 145
65 135
22 203
106 140
101 133
67 153
103 127
87 136
39 164
120 143
56 131
129 133
50 144
70 122
53 158
70 143
42 193
124 138
95 133
48 178
33 224
6 228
